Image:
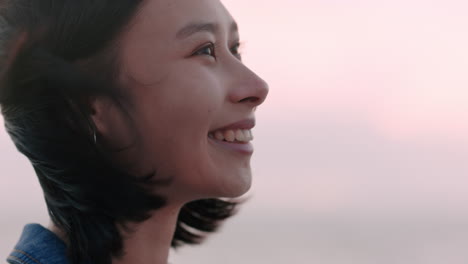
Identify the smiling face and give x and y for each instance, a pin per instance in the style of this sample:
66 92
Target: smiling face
193 99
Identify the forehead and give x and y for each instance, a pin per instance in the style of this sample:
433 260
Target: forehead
166 17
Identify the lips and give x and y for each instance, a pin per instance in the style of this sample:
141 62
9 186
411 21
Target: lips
243 124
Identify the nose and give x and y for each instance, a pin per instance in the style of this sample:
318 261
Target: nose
248 89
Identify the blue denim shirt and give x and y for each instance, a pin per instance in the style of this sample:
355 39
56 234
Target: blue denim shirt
38 245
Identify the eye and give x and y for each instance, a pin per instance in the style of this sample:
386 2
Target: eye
235 50
207 50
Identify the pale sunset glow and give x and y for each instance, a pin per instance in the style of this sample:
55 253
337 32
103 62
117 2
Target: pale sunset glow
401 65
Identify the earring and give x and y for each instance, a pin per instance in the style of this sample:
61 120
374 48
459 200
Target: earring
94 136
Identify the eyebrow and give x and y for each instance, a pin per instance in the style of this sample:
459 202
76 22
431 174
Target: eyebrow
194 28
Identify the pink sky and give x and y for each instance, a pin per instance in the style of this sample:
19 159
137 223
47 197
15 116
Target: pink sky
367 105
399 64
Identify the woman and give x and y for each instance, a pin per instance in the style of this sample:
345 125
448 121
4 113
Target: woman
136 117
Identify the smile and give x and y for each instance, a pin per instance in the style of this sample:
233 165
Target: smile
233 136
233 140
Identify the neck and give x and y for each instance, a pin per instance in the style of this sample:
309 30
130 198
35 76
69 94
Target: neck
150 241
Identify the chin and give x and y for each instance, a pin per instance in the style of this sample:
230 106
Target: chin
237 185
213 184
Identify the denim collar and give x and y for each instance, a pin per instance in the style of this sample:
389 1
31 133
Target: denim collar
38 245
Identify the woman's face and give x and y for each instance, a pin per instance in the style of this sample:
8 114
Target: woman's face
193 99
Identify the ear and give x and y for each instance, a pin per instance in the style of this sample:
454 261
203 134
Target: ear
112 125
116 134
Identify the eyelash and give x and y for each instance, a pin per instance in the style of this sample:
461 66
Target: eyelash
234 50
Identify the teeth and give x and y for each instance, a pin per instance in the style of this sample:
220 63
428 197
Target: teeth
239 135
248 134
219 135
229 135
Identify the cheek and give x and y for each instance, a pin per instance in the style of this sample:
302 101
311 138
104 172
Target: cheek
175 115
184 97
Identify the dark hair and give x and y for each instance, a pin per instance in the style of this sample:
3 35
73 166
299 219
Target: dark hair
54 56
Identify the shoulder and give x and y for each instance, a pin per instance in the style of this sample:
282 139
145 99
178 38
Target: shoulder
38 245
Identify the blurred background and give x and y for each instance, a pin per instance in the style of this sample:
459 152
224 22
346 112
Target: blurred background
361 148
